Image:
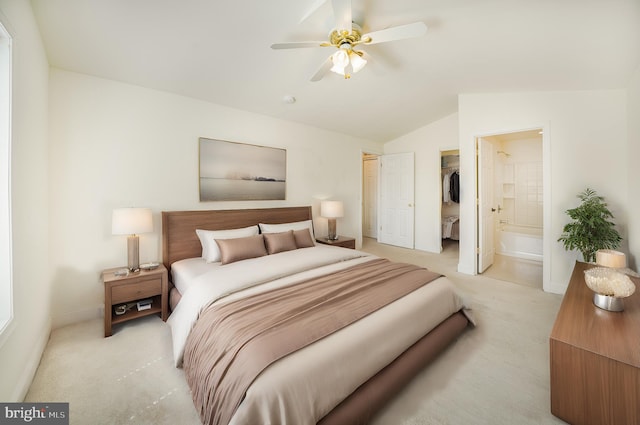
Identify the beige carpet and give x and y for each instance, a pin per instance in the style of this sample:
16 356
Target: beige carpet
496 373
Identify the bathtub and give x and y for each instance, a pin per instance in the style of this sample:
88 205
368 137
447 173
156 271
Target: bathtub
519 241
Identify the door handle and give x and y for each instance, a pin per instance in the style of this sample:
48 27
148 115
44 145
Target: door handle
410 205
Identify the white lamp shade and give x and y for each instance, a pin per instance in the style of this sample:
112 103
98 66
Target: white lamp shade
344 57
331 209
131 221
357 62
340 61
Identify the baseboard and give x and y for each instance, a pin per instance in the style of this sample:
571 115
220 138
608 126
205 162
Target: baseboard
429 249
6 332
555 288
466 269
78 316
31 366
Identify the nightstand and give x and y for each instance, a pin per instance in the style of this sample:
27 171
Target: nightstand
118 290
343 241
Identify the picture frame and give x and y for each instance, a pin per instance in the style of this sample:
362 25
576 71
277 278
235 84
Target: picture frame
233 171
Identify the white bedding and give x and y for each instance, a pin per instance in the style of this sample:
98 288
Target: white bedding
282 394
251 276
184 272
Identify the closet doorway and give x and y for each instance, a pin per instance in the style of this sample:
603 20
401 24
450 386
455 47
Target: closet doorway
370 182
450 199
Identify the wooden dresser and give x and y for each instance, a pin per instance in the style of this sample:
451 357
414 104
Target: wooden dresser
595 358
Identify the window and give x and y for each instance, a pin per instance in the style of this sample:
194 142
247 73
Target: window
6 297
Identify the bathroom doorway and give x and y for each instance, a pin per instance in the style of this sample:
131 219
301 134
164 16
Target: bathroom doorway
512 219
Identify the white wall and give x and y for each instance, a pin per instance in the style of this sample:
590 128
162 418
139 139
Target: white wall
22 344
115 145
586 135
427 142
633 112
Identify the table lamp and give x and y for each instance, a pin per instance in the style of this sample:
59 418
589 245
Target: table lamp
132 221
332 210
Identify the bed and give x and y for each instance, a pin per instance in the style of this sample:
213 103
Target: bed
336 366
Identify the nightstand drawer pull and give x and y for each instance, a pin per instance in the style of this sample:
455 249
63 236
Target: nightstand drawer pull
134 291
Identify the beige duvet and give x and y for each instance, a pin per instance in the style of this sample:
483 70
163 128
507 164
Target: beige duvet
304 386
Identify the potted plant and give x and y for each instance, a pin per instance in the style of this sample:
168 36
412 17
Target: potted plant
590 228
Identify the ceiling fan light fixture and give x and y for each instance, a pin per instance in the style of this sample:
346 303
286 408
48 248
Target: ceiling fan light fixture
346 60
340 60
346 36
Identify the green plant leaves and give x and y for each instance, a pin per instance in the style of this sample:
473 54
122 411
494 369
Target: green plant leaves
590 228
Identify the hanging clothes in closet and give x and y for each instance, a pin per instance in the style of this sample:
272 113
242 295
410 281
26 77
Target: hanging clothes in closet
451 187
446 187
454 187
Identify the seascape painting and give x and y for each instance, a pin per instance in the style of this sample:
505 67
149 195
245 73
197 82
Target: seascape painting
232 171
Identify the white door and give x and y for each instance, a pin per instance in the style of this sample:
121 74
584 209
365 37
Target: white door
396 199
370 198
486 248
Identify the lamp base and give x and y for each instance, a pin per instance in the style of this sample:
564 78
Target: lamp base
332 230
133 253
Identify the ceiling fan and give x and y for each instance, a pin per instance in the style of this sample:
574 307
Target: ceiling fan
347 38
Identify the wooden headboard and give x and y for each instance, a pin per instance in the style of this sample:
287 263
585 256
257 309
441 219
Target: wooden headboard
179 239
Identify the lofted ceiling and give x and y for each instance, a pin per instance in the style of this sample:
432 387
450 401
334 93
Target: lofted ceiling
219 51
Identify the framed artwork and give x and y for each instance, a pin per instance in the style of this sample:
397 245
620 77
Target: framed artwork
231 171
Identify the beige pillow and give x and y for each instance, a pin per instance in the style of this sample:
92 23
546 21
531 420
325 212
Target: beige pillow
303 238
280 242
283 227
208 238
241 248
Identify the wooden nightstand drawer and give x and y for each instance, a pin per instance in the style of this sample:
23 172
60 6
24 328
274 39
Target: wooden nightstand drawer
136 290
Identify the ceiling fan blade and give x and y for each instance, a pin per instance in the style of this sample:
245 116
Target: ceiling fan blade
299 44
342 12
322 71
378 64
366 56
317 4
395 33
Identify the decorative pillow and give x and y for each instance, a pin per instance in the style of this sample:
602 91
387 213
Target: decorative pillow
296 225
303 238
210 250
280 242
237 249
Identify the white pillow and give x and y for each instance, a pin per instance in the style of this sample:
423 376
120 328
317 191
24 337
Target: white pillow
285 227
210 249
